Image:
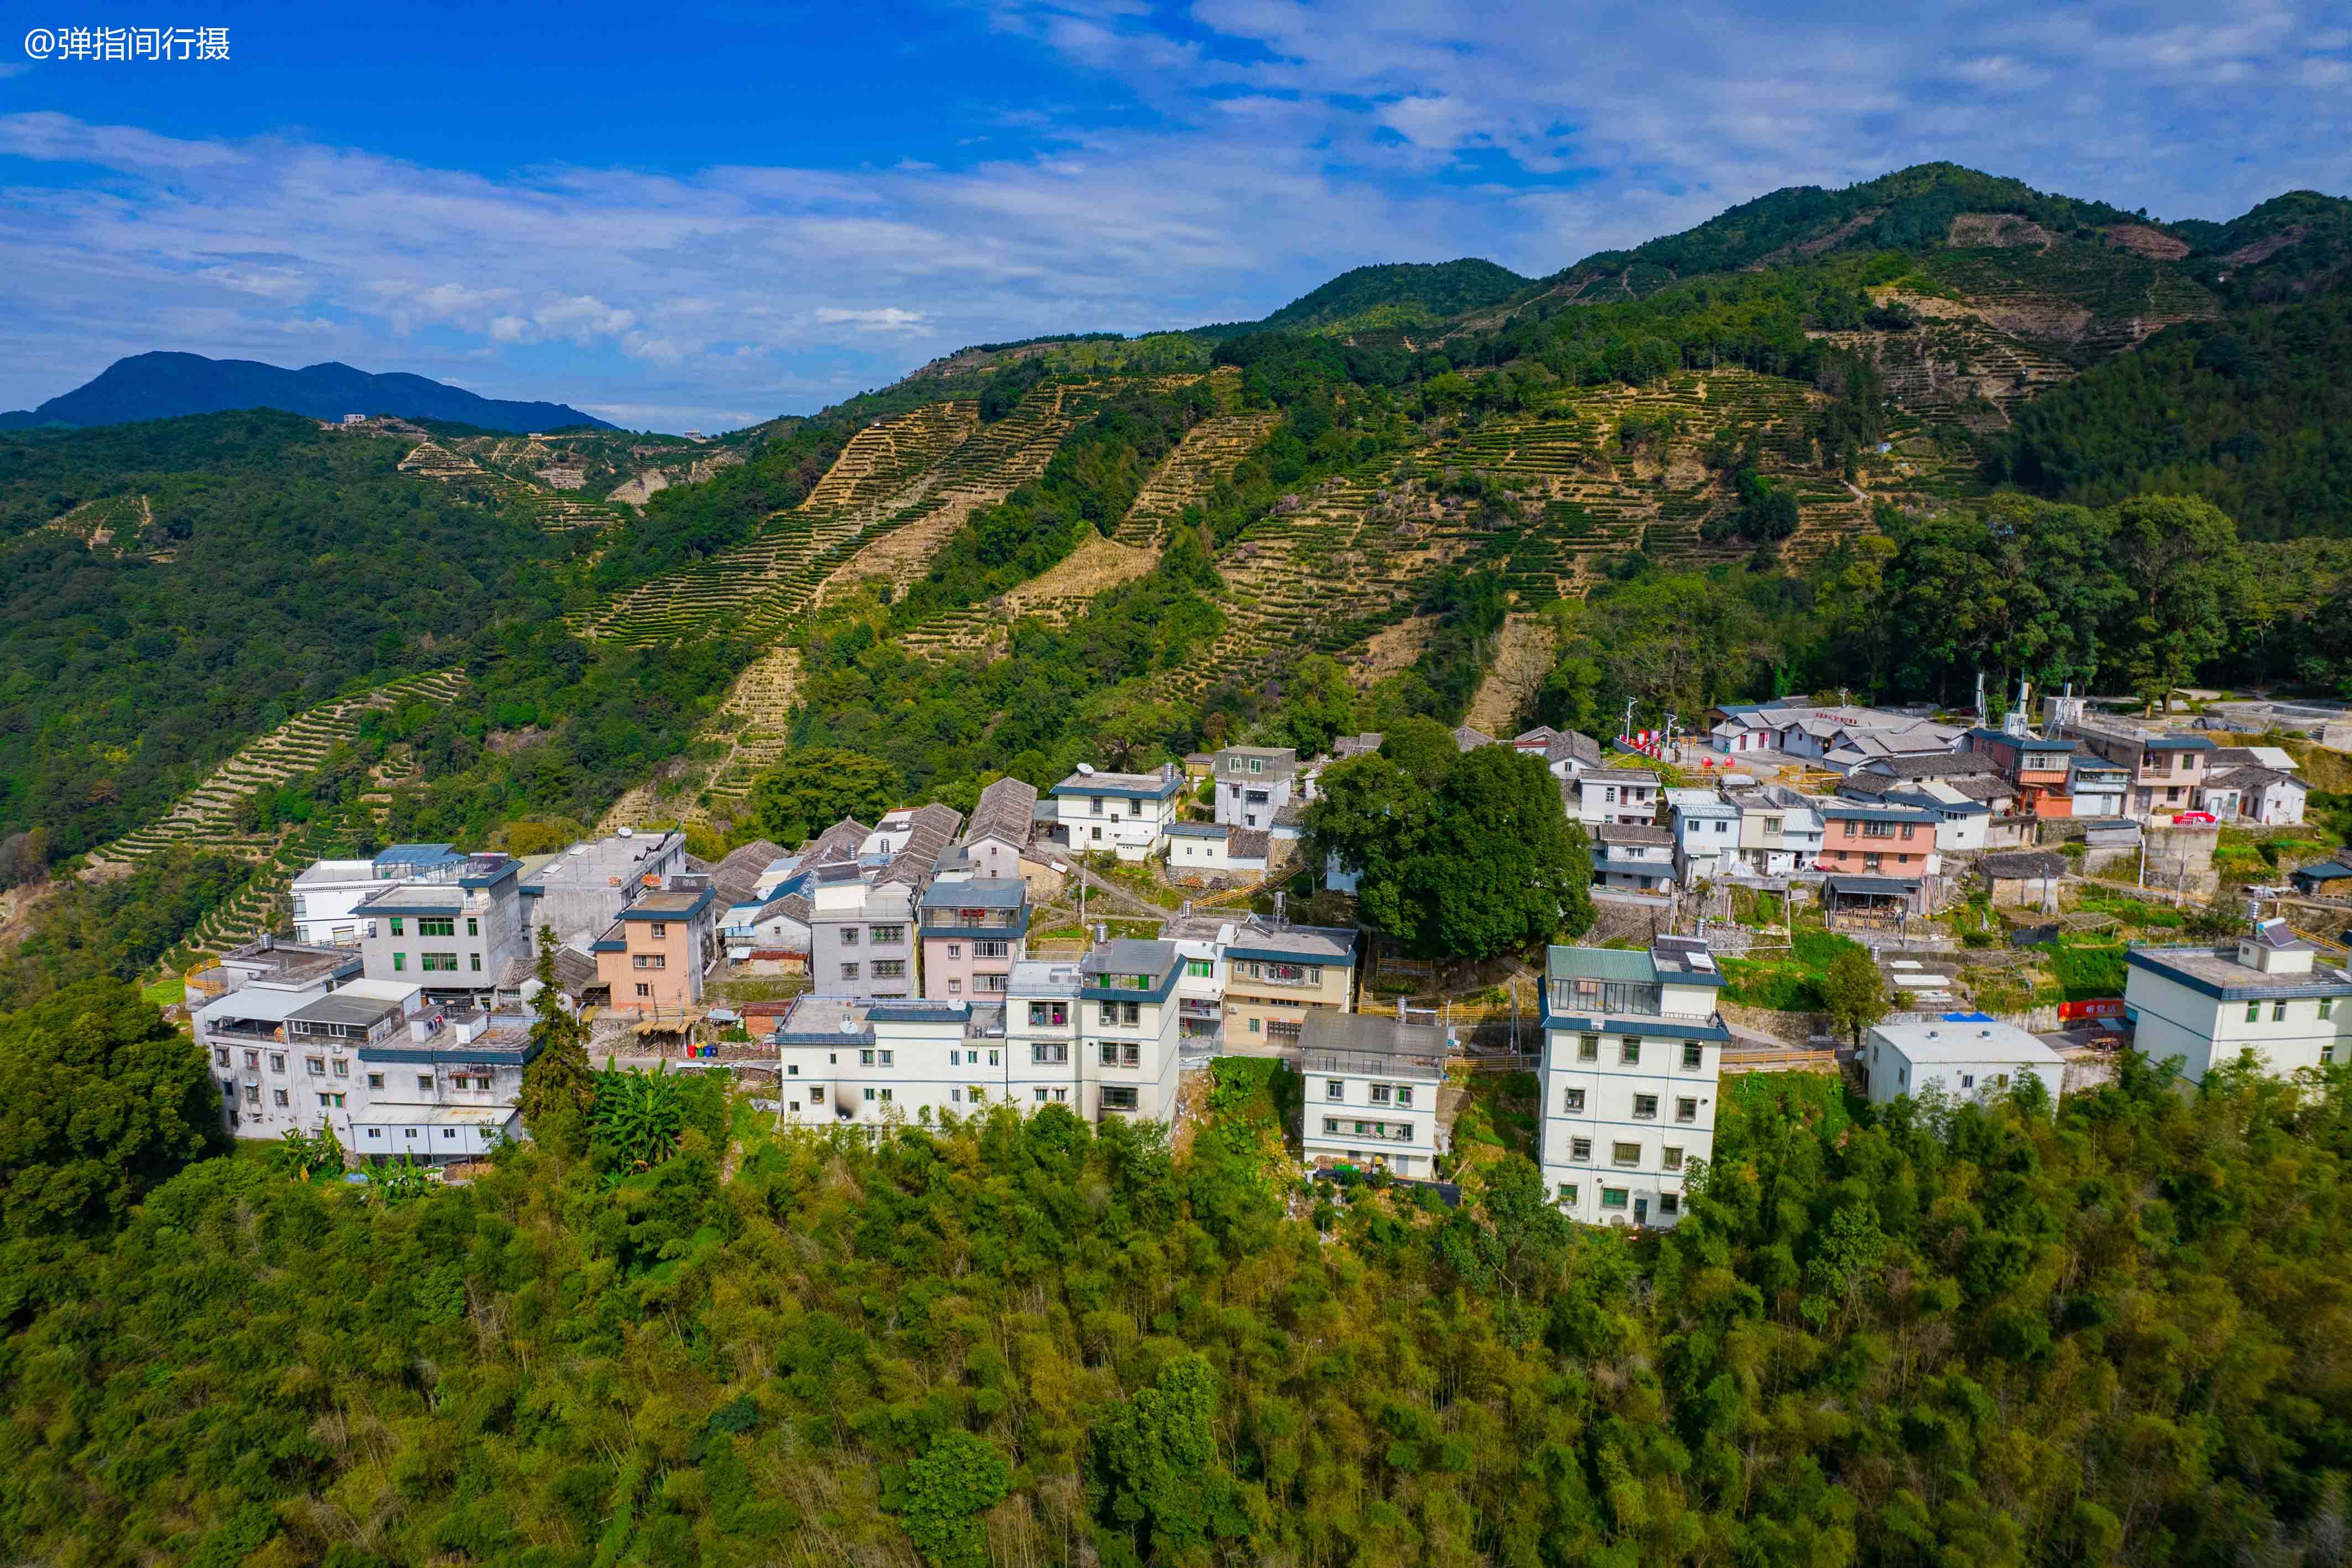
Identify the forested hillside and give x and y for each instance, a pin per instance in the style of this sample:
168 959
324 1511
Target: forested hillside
1931 1335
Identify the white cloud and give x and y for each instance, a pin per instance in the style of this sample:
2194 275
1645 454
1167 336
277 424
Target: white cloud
889 318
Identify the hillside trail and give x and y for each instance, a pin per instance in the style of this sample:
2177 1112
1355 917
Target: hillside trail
1508 691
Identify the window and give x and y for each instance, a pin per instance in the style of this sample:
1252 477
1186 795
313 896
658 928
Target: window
1201 968
476 965
2327 1055
1041 1013
649 961
1331 1126
326 1102
1404 1095
428 925
2278 1012
2253 1012
890 934
1118 1097
955 949
280 1094
1048 1054
1624 1154
1669 1203
1568 1192
342 1068
1671 1157
955 1057
1588 1048
424 1080
220 1057
277 1062
1038 1094
1579 1149
1094 805
1336 1089
864 1058
375 1080
888 1057
399 962
253 1093
473 926
1575 1106
1686 1111
661 930
816 1093
993 1060
869 1096
889 968
849 971
850 936
396 927
317 1064
438 963
1613 1197
2326 1008
1645 1107
1967 1080
1629 1051
1694 1056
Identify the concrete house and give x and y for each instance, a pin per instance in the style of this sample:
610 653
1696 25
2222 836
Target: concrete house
2250 793
2163 766
439 1089
654 957
2035 767
1045 1060
1128 989
1253 783
1632 1060
1616 795
2099 788
1780 831
1276 975
1961 822
1565 752
581 891
2029 878
265 1088
1633 857
1373 1089
450 926
326 894
1962 1060
861 933
873 1064
1128 814
2265 993
1214 847
1876 840
996 839
973 930
1706 834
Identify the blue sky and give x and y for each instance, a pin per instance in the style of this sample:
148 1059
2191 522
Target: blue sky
707 216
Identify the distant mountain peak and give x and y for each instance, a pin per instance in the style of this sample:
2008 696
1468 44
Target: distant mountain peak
163 384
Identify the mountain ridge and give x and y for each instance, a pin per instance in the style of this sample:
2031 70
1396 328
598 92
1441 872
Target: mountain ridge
166 384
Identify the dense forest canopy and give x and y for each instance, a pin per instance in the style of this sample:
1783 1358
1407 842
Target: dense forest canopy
1933 1334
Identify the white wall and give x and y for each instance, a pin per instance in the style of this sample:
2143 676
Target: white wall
2173 1019
1596 1100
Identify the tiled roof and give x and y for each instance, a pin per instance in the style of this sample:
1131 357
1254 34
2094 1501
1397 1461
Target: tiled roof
1006 810
738 875
2023 865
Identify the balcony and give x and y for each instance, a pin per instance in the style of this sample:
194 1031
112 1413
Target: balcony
1204 1008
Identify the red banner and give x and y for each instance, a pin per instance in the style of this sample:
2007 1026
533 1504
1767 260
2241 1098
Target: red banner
2103 1007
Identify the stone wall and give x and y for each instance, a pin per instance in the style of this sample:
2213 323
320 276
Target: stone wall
1791 1029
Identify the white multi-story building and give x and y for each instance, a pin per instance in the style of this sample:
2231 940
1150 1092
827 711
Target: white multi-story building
1780 830
1253 783
1962 1060
1128 1026
1616 795
1126 813
1633 1051
1045 1064
1371 1093
325 894
264 1091
1633 857
1706 834
2266 994
880 1063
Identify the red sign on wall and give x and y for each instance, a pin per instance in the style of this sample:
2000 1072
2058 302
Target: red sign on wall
2102 1007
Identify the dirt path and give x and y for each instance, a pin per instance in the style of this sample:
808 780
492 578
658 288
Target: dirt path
1508 691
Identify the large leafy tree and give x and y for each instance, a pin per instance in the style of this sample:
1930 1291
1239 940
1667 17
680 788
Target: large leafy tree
558 1087
2179 559
814 787
1458 854
101 1100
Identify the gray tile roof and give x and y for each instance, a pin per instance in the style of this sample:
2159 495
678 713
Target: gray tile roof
1006 810
739 873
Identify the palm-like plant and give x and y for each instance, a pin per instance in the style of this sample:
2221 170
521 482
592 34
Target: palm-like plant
640 1115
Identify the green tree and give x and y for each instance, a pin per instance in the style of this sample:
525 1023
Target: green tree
558 1087
639 1117
101 1101
1162 1491
1853 990
958 1478
2178 559
1318 704
814 787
